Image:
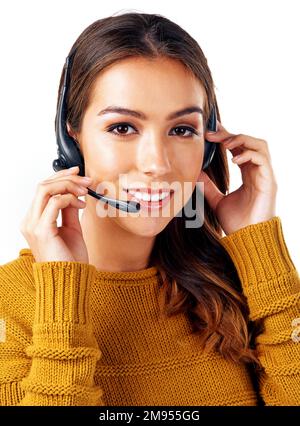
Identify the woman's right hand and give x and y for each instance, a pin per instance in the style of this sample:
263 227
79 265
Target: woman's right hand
47 241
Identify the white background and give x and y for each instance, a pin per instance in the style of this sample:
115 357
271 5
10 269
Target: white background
252 49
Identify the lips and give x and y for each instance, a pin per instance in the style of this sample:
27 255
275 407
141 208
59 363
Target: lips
152 205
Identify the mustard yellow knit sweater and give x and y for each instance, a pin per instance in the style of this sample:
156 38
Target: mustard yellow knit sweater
73 335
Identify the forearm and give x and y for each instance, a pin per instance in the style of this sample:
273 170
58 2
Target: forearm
64 351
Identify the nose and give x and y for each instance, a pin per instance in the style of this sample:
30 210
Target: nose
153 157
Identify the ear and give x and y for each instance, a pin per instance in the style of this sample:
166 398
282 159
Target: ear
71 132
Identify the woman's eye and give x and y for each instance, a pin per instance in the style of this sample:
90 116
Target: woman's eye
184 129
118 127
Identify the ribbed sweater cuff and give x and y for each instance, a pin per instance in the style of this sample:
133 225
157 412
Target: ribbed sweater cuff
268 275
62 291
259 251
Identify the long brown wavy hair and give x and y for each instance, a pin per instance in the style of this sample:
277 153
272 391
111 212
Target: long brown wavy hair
197 275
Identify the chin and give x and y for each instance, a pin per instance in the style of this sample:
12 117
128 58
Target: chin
144 227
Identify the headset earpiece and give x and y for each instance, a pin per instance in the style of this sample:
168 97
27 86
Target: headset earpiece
210 147
68 151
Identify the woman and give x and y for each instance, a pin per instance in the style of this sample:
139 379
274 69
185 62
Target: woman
140 309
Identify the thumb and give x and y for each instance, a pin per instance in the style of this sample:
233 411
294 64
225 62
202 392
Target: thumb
211 192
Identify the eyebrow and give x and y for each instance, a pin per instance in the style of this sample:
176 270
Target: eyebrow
141 115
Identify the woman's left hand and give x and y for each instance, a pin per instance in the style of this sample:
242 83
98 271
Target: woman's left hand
255 200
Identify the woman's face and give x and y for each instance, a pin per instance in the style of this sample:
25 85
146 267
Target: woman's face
143 152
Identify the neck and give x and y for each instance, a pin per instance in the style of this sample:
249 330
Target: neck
111 247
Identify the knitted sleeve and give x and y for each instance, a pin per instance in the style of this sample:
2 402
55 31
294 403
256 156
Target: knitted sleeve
63 350
271 285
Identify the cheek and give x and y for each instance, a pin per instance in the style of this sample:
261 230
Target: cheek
187 172
189 164
101 156
103 160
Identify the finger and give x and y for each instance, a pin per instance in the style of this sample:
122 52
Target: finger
247 142
255 157
80 180
46 190
70 217
65 172
220 136
48 220
211 192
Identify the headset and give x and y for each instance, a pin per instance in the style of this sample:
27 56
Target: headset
69 154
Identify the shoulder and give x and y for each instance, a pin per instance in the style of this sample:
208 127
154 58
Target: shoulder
17 287
18 272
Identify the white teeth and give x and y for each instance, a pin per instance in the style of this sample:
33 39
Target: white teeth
156 197
147 197
140 196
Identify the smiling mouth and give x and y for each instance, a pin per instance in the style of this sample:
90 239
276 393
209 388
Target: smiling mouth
151 205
